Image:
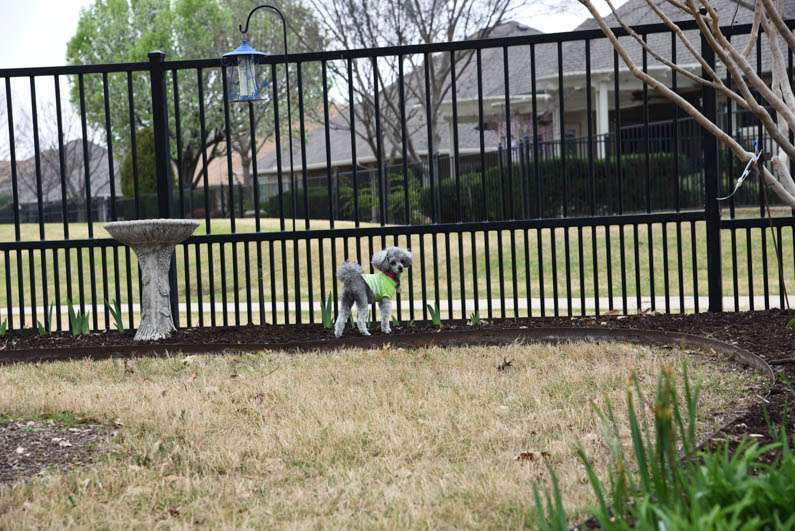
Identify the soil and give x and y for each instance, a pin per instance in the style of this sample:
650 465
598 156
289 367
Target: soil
29 447
762 332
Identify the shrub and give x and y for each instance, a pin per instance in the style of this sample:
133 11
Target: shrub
147 175
514 194
318 199
652 488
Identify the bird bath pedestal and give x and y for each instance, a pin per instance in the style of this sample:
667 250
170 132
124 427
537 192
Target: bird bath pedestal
153 240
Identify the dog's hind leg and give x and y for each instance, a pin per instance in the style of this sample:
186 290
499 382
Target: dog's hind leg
362 311
346 301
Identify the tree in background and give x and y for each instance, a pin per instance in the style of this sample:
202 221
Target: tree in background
775 108
365 24
113 31
145 157
62 164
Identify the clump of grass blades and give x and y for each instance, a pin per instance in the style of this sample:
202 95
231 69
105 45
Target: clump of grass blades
44 329
115 312
436 314
78 321
327 312
653 488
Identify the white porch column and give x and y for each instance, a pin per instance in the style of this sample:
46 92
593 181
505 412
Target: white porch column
554 106
602 118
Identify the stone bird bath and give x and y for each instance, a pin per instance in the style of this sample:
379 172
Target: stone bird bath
153 240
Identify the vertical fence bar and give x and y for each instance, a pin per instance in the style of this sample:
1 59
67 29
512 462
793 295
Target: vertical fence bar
455 155
89 217
609 271
534 105
514 286
762 195
617 105
647 173
711 188
231 183
133 142
354 163
429 130
181 190
508 142
327 138
527 277
481 130
37 160
163 161
562 133
487 248
40 209
178 139
379 147
553 237
207 225
541 291
677 183
403 146
732 211
474 256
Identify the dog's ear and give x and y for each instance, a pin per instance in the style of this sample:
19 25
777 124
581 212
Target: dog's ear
380 259
408 259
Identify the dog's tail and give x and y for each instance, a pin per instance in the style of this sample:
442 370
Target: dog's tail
348 272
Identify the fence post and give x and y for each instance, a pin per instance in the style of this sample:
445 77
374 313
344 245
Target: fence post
711 189
163 160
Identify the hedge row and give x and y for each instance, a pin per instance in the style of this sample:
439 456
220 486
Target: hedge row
519 193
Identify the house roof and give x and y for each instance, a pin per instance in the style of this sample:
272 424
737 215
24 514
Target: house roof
637 12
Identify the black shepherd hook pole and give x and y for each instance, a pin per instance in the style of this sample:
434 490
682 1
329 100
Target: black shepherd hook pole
244 31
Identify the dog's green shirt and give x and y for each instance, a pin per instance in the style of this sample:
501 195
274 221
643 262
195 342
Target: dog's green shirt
382 286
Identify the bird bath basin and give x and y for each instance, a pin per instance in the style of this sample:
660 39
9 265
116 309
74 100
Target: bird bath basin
153 241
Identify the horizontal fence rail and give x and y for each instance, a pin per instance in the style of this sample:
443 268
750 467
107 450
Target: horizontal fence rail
529 175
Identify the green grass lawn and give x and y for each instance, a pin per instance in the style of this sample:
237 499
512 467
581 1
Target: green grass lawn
443 279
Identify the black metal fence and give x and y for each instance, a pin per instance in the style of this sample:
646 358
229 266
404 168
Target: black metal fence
621 218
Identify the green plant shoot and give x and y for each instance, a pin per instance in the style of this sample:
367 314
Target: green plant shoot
327 312
436 315
115 312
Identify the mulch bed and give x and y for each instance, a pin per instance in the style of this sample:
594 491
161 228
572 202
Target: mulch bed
763 333
29 447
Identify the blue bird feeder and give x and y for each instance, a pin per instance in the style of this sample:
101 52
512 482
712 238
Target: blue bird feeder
245 76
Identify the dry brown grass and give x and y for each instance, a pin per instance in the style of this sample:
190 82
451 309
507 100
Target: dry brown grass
365 439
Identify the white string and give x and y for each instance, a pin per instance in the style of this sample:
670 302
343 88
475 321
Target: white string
745 174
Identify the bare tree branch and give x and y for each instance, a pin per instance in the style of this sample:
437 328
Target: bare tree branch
778 95
367 24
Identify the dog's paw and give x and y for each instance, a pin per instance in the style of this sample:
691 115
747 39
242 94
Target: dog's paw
386 329
365 332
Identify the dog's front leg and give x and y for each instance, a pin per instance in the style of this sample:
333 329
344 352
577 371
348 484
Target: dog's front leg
386 314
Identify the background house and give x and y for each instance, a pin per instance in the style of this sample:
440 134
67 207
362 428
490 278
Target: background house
50 185
645 120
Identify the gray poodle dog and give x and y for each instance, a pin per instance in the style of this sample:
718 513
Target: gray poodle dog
364 289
